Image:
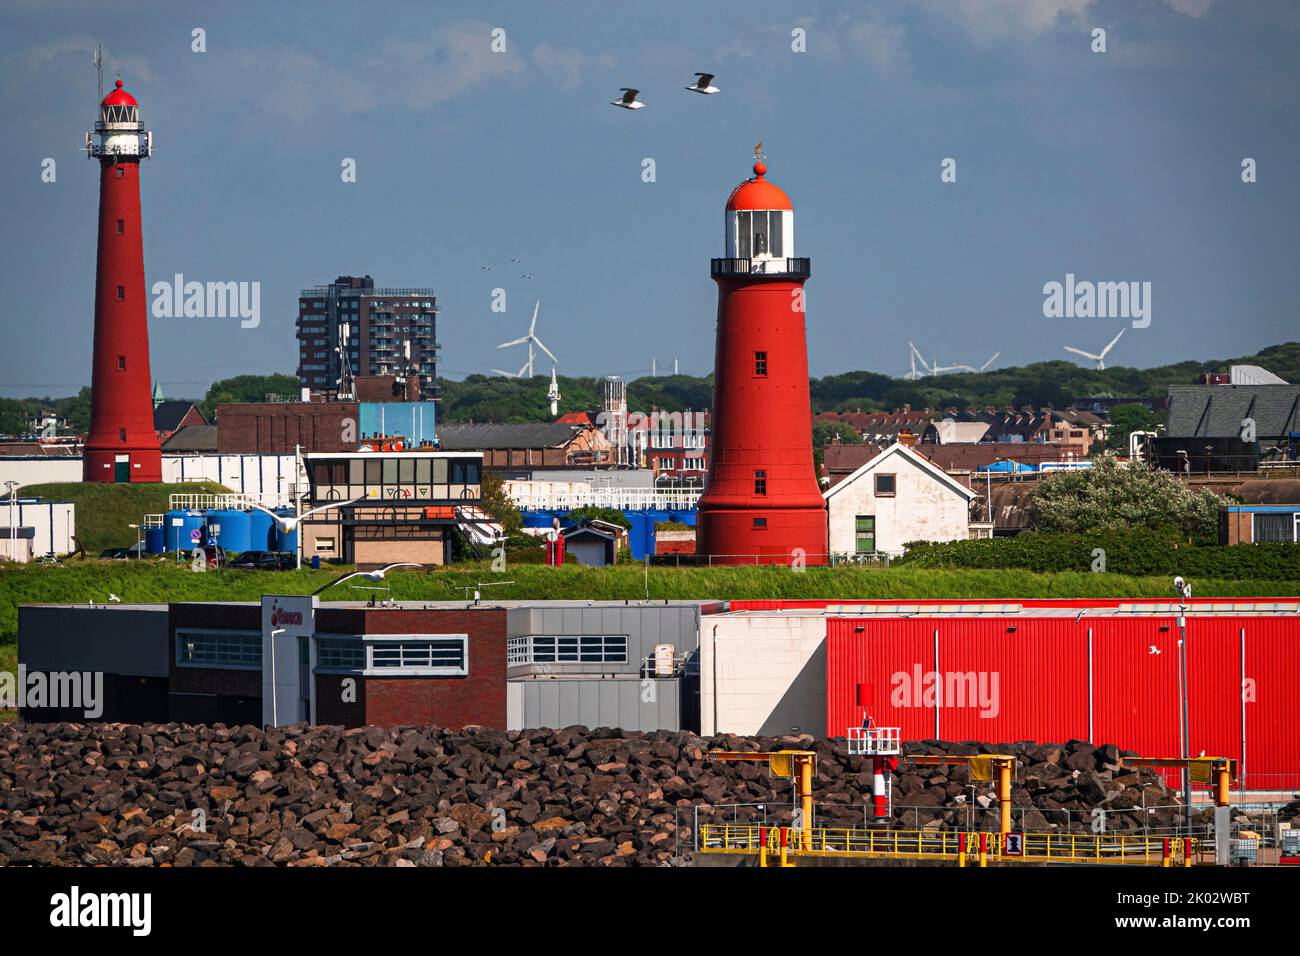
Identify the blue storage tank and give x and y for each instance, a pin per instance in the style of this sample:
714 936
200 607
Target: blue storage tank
178 536
261 531
154 539
234 526
285 540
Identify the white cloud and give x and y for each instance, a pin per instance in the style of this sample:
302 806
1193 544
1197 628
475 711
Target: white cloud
407 73
1190 8
994 19
564 67
879 42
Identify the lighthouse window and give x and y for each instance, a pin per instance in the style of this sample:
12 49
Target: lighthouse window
760 524
760 364
744 221
121 292
121 434
121 226
760 482
774 232
121 362
121 170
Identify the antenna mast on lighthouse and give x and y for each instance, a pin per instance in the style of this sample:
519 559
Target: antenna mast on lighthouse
98 60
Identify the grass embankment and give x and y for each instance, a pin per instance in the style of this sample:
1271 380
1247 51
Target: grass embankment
105 512
161 582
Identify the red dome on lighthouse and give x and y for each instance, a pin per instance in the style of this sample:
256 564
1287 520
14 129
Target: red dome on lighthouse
119 97
758 193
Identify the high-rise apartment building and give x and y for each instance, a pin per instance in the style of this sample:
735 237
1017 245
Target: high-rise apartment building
350 328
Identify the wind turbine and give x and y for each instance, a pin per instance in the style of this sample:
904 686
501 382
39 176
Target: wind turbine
530 340
1100 359
985 366
917 357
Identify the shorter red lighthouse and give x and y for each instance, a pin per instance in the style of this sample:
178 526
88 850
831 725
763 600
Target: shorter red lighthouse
762 504
122 444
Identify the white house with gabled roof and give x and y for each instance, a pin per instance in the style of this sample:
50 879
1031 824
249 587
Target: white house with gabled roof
896 497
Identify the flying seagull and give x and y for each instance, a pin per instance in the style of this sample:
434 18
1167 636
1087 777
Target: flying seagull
704 84
629 100
1100 358
375 576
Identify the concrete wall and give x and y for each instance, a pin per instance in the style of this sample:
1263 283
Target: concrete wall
594 702
923 507
39 471
247 474
762 673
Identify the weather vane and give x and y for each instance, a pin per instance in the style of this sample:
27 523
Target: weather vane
758 151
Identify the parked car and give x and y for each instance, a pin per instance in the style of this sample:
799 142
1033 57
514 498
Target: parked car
123 554
264 561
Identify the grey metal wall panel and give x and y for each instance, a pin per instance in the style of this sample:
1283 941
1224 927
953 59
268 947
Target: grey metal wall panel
598 703
128 641
514 706
589 692
570 703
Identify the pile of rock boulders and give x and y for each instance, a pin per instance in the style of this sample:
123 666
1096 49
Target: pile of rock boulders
172 794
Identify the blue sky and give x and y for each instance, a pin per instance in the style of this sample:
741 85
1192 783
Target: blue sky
1115 166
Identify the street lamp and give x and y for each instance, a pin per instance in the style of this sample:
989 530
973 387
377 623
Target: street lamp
1184 589
13 524
138 544
275 716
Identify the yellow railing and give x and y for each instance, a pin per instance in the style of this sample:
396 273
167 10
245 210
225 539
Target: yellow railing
947 845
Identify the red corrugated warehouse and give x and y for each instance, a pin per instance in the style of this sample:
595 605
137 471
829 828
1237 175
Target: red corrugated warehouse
1108 673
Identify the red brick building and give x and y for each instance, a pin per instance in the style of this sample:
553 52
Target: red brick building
373 666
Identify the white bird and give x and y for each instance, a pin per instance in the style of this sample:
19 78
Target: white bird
704 84
1099 359
629 100
376 576
288 522
486 268
528 275
113 598
514 259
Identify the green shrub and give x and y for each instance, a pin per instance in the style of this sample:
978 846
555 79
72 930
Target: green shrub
1120 552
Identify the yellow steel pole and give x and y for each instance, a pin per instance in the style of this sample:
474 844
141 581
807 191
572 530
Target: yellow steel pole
1004 795
805 794
1222 785
762 846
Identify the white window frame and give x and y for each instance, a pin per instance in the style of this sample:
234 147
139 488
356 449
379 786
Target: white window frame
567 649
218 633
386 643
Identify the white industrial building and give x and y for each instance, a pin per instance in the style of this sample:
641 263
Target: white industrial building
763 672
33 527
268 476
896 497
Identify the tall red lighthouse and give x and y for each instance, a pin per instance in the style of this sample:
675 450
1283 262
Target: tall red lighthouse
122 445
762 503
